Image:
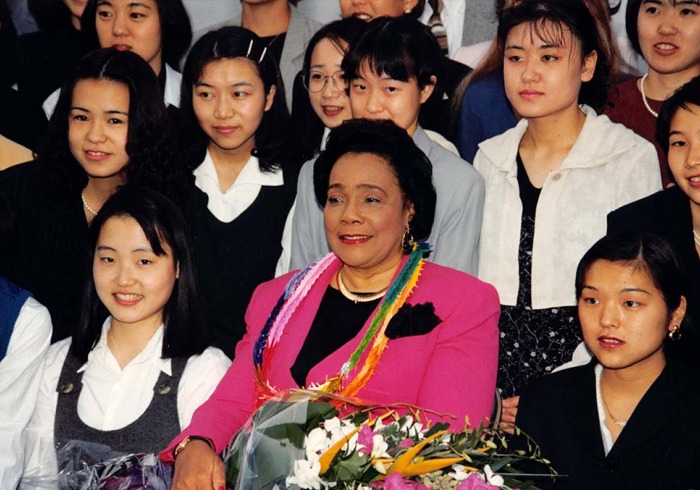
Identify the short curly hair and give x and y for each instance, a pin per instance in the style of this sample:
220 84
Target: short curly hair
409 164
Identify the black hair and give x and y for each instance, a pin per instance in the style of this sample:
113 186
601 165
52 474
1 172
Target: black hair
274 142
549 20
184 331
688 94
175 28
399 47
8 47
385 139
339 32
655 256
417 11
149 142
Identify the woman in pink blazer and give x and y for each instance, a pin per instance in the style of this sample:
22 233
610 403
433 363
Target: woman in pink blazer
433 329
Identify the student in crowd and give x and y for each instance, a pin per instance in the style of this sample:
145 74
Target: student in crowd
25 333
551 181
110 127
321 101
625 420
674 213
392 69
137 365
157 30
239 147
667 34
283 29
435 114
482 108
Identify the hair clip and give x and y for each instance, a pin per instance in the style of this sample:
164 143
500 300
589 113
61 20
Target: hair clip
250 48
262 55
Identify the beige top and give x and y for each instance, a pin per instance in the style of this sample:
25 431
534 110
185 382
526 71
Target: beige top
12 153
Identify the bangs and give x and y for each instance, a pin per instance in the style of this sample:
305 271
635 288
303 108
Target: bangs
380 55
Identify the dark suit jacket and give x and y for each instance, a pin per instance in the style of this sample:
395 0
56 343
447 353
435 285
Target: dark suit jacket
667 214
658 449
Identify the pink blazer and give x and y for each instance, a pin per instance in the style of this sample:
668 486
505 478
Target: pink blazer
451 369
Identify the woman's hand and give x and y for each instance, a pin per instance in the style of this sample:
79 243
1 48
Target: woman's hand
198 467
509 410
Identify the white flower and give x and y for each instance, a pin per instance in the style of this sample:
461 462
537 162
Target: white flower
316 443
493 479
416 430
458 472
332 424
306 475
379 447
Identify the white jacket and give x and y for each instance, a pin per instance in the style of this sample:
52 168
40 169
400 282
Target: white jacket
607 167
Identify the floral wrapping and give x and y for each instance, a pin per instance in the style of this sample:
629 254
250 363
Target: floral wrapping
305 439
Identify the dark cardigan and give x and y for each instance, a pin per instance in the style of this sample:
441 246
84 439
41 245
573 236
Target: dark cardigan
232 259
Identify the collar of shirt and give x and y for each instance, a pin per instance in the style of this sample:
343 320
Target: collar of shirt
227 206
324 138
171 94
151 353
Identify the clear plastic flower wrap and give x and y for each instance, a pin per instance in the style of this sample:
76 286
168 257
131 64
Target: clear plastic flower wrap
86 466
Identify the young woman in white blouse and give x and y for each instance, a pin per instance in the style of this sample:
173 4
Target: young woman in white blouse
550 182
239 147
138 365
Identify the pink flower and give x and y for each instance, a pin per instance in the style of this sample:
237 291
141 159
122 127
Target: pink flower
474 482
396 482
408 442
365 440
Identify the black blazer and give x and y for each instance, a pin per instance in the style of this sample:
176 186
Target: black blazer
667 214
658 449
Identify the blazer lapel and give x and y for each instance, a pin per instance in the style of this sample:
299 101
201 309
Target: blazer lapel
581 410
656 405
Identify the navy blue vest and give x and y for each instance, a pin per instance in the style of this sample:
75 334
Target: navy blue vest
12 298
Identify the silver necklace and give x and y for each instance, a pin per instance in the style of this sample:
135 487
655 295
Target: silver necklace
86 205
644 97
358 297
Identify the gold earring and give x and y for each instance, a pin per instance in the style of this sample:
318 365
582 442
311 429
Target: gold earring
408 242
675 333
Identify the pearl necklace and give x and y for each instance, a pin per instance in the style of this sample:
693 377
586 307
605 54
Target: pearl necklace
357 297
85 204
644 97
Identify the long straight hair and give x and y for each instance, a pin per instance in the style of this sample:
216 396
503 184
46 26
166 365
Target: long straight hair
185 332
149 143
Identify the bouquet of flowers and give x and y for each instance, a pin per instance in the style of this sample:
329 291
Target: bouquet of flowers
304 439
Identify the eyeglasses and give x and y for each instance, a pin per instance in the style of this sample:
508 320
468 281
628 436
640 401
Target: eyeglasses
316 81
